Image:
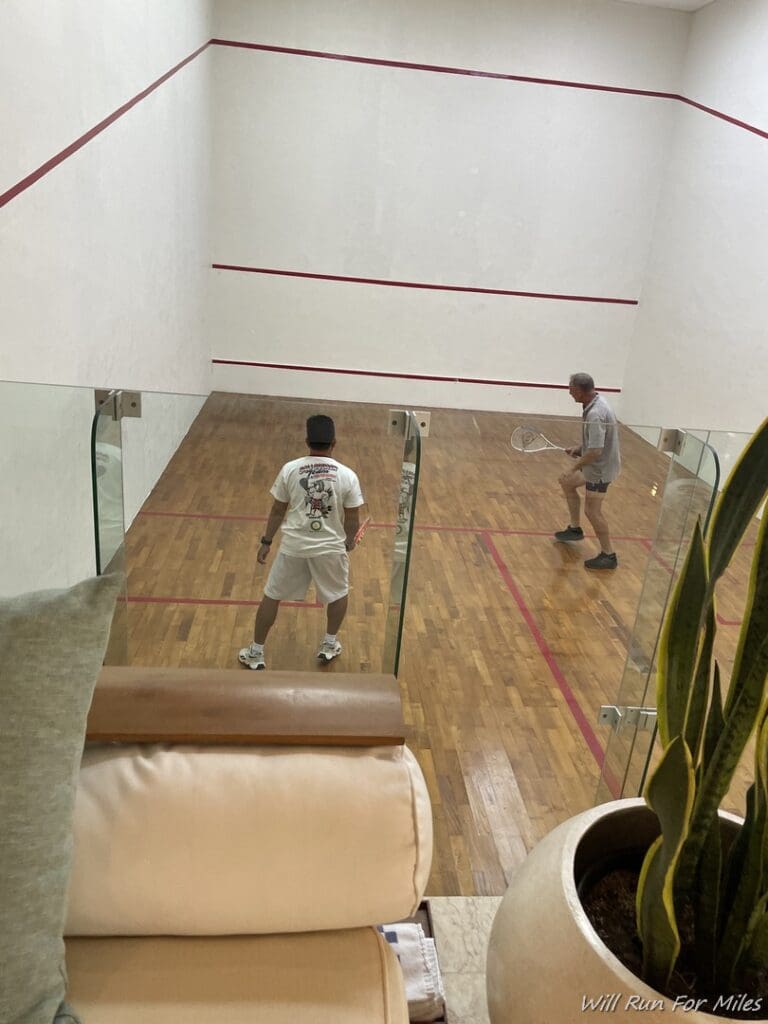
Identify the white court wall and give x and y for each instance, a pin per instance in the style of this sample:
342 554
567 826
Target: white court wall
699 354
104 259
359 170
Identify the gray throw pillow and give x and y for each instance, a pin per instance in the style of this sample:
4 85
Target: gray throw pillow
52 645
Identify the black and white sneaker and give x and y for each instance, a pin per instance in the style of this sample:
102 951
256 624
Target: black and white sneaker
329 650
569 535
252 658
602 561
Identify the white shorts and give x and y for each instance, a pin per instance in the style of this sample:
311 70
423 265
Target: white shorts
289 577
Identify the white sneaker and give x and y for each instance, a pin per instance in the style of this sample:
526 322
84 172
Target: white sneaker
329 650
252 658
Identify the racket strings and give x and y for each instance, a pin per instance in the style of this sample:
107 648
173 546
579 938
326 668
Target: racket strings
527 439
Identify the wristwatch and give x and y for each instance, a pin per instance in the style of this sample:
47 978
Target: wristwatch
265 541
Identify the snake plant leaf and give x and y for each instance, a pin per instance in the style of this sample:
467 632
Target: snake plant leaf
707 904
670 795
757 953
737 855
741 712
738 503
699 695
713 726
679 641
748 873
755 620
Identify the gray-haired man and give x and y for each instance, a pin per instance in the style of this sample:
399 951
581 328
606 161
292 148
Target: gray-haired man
598 463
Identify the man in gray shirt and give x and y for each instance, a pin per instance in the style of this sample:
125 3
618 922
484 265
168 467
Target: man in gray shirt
597 465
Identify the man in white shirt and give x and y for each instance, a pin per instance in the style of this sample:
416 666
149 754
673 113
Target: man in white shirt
317 500
598 463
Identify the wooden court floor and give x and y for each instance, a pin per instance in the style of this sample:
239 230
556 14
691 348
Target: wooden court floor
509 644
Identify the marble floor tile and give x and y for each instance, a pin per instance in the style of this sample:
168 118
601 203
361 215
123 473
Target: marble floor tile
465 998
462 925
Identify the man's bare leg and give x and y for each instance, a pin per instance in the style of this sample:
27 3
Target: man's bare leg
593 509
573 498
336 611
265 619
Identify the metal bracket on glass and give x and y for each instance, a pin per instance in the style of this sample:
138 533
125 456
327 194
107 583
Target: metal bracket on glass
620 717
120 403
671 440
398 421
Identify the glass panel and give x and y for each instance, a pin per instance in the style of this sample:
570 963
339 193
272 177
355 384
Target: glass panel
108 514
107 469
689 493
46 539
401 554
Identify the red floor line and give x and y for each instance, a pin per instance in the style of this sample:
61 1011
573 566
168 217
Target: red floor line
581 720
142 599
495 531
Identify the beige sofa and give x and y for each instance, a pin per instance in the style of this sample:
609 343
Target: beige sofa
236 848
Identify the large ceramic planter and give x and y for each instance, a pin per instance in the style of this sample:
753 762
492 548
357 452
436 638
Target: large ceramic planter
546 963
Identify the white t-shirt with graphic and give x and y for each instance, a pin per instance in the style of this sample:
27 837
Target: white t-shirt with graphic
317 489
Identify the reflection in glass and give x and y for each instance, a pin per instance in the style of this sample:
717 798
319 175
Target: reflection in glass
109 516
689 495
401 555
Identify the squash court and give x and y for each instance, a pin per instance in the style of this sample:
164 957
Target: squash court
509 645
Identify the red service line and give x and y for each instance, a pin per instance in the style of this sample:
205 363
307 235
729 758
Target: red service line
420 528
575 708
395 375
399 376
204 515
142 599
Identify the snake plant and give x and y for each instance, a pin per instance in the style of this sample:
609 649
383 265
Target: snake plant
720 889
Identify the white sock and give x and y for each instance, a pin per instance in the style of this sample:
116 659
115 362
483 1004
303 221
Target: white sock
329 638
257 648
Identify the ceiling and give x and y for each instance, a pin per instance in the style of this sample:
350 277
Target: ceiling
675 5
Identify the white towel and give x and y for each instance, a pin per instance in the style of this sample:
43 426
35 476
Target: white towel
421 971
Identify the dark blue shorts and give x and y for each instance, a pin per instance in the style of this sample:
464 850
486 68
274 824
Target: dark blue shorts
599 485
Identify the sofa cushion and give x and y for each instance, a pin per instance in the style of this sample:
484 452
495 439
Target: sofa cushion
234 840
344 977
52 645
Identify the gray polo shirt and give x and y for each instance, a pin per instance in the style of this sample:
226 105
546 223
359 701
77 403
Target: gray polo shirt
599 430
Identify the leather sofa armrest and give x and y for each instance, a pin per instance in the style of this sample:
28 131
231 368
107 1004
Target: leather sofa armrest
231 707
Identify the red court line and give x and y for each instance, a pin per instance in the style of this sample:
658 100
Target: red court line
421 528
472 73
388 283
724 117
399 376
140 599
442 69
73 147
581 720
204 515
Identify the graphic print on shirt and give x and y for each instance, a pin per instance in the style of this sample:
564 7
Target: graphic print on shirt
317 480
